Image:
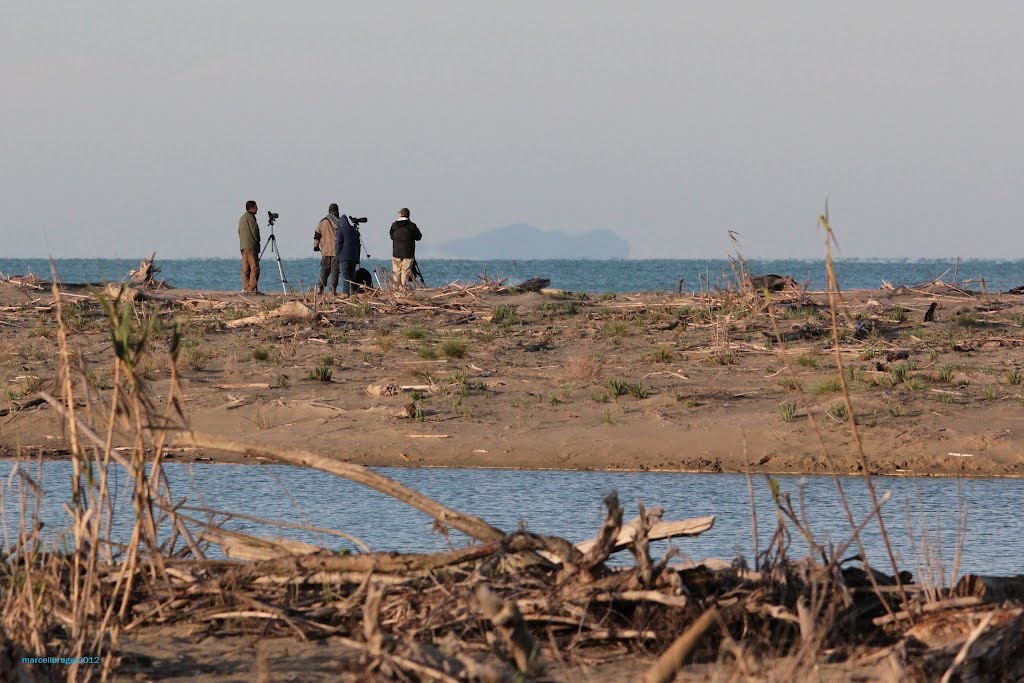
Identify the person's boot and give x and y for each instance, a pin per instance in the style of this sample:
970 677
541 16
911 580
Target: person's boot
334 292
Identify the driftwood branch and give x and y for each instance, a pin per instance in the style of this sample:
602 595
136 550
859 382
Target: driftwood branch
468 524
605 542
659 531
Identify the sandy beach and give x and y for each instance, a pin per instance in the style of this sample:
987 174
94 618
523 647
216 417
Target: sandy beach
481 376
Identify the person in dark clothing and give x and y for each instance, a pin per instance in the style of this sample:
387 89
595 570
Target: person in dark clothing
324 239
404 236
346 248
249 245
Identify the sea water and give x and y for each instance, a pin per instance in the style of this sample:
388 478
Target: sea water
634 275
925 512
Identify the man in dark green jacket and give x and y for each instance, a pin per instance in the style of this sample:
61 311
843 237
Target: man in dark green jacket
249 243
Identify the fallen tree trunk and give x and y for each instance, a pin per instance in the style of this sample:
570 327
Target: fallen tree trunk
290 310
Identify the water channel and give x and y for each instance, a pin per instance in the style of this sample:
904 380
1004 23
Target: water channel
568 504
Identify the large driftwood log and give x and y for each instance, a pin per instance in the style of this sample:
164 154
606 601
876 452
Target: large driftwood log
534 284
241 546
772 282
290 310
145 276
385 563
659 530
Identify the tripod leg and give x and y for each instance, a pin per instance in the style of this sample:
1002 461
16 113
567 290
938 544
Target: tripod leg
280 268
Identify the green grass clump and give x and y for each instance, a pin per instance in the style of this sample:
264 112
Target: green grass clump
260 353
792 312
894 409
453 348
321 373
789 384
897 314
1013 376
806 360
990 393
615 329
828 386
563 307
838 411
428 352
414 332
638 391
664 354
901 372
913 384
966 320
503 315
618 387
946 373
721 357
787 411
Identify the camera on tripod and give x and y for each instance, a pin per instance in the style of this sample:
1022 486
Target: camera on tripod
357 221
271 217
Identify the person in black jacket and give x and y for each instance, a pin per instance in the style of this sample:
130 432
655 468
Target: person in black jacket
346 247
404 236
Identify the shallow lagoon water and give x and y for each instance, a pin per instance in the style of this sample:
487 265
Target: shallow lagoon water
568 504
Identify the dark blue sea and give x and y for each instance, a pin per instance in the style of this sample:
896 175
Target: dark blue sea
647 275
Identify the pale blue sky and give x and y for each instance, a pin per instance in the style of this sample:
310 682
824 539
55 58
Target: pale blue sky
133 127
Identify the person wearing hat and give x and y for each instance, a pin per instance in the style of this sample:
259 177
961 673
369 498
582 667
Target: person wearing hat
323 241
249 244
404 236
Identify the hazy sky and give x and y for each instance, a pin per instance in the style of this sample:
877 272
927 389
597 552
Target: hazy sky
129 127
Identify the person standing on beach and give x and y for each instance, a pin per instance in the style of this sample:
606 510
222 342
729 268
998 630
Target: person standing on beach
324 241
249 243
404 236
346 247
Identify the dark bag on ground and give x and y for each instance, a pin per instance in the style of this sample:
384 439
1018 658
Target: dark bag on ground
362 279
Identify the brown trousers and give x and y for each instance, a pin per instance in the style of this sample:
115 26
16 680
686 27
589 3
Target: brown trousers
250 270
401 272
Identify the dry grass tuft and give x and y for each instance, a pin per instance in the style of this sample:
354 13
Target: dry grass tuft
583 368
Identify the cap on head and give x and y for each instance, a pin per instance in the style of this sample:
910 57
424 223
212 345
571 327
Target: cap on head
250 205
404 213
333 209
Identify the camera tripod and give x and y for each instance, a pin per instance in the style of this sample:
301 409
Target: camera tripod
368 257
272 243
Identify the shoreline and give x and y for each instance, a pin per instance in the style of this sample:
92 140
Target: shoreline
227 459
478 376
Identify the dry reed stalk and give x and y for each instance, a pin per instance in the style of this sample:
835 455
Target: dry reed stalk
833 292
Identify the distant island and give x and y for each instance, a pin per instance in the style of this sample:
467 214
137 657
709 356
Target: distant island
524 241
